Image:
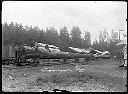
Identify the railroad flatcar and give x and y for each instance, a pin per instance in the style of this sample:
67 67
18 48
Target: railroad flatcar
32 55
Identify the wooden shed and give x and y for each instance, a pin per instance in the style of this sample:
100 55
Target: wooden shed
8 51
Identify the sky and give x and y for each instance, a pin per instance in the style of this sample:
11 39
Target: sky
91 16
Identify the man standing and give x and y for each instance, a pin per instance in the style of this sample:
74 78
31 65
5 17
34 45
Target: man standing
125 55
124 42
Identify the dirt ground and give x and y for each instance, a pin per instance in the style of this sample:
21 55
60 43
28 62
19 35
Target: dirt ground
93 76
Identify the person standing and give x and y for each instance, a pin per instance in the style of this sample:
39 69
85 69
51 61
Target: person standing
125 55
124 43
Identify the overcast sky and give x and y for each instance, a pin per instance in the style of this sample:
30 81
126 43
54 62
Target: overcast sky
88 15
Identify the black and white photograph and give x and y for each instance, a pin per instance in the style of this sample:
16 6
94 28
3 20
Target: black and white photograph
64 46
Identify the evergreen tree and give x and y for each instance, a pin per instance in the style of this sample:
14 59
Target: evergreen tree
52 36
76 37
87 40
64 39
5 33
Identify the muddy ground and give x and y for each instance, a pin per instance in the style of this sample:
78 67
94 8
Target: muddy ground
93 76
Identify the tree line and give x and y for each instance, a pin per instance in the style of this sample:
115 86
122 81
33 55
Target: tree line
18 34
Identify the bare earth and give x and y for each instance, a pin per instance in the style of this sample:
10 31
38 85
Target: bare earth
96 76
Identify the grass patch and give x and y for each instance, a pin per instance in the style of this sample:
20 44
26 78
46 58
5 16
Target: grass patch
40 80
75 77
70 78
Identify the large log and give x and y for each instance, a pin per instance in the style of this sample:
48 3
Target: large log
52 55
42 53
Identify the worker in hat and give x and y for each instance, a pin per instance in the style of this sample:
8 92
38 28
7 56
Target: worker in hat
124 42
125 55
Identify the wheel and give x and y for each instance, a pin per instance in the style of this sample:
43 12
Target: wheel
87 59
77 59
65 60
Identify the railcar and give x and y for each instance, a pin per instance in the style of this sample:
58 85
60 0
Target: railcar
32 55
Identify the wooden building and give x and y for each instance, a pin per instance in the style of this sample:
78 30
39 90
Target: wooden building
8 51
